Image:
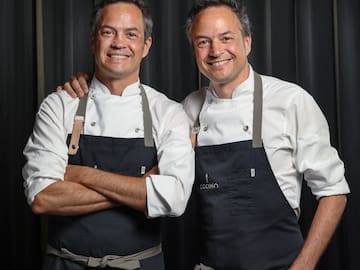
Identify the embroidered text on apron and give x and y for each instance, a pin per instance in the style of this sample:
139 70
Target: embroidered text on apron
245 220
107 237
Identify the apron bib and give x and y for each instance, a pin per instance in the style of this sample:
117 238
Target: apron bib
245 220
118 231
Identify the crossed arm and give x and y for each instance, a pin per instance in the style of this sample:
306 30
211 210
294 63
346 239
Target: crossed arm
86 190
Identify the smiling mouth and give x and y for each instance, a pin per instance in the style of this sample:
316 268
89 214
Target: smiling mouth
219 63
117 56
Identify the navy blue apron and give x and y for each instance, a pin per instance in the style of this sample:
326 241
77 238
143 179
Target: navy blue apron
118 231
246 223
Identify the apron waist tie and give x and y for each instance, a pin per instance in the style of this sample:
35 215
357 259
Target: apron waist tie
203 267
128 262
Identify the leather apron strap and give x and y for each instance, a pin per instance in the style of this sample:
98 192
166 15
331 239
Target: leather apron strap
128 262
78 125
80 119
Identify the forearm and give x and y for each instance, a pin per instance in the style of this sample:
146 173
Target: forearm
125 190
67 198
326 219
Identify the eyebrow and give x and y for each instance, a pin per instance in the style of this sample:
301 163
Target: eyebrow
219 35
200 37
227 33
125 29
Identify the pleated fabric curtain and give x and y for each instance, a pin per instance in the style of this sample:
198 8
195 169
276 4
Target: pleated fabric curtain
18 102
349 128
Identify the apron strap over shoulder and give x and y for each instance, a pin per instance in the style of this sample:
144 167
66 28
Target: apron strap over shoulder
128 262
257 113
196 126
148 136
80 119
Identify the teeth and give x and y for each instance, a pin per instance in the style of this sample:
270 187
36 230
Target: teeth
118 56
219 63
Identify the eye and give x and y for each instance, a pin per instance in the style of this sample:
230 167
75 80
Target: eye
201 43
132 35
226 39
107 32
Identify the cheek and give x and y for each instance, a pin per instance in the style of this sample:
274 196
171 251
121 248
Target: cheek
238 52
200 56
235 49
96 48
103 44
138 50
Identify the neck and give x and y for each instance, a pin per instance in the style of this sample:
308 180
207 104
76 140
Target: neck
226 90
223 91
117 86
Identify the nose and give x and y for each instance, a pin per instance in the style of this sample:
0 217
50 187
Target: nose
118 41
215 48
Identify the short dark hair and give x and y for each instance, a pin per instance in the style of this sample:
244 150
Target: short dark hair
148 22
238 8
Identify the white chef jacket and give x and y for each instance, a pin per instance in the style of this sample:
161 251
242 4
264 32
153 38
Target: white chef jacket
119 117
295 134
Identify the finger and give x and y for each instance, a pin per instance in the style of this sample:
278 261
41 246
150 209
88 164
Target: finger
83 79
87 76
69 90
154 170
76 87
78 84
83 84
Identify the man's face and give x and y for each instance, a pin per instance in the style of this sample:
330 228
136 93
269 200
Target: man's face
119 44
220 49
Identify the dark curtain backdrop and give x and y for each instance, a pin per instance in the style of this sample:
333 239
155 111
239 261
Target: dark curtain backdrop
313 43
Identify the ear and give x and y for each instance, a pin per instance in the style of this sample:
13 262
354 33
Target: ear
147 47
247 44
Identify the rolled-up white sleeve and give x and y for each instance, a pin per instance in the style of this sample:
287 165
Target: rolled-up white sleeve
315 157
168 192
45 151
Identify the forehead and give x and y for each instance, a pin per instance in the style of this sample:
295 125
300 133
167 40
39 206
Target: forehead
214 20
122 15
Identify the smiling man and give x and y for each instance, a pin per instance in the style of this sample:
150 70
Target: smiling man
255 144
105 167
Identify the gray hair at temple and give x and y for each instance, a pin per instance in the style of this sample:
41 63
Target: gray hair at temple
148 22
234 5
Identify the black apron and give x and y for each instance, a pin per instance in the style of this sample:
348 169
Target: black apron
118 231
246 223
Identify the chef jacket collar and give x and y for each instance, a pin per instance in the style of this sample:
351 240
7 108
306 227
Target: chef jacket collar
97 87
